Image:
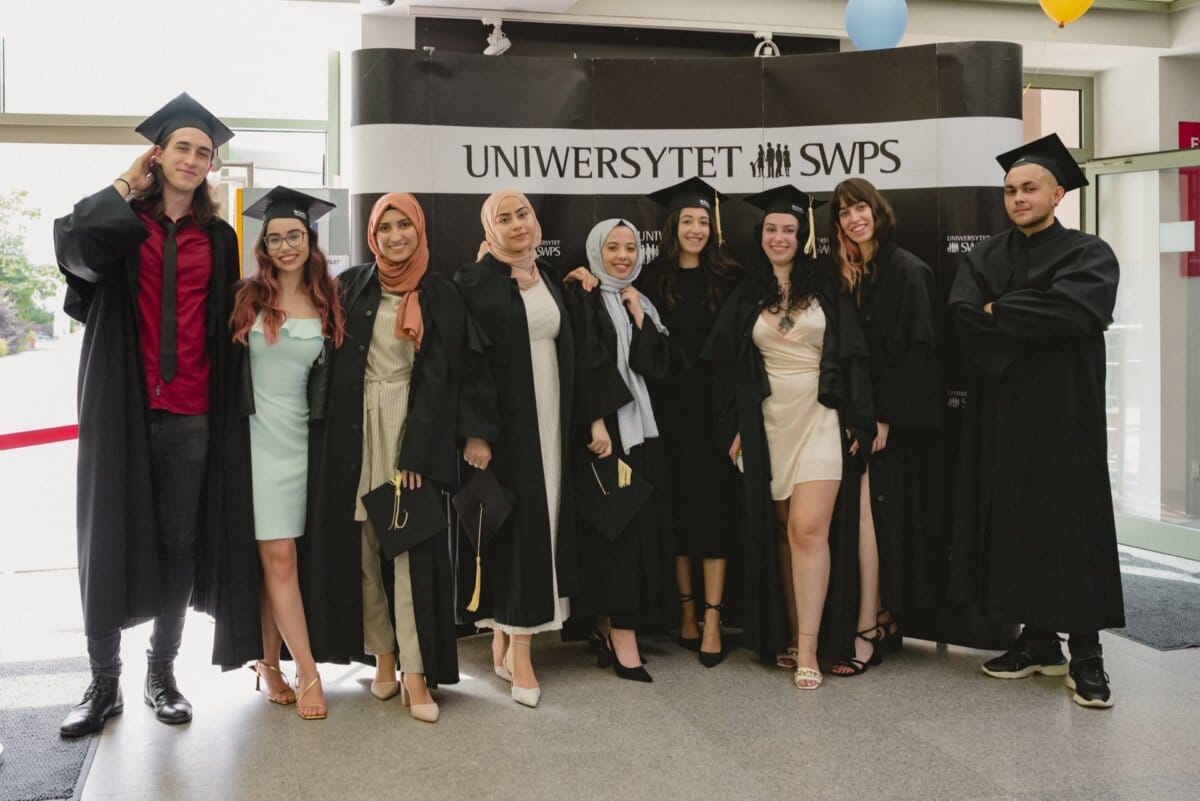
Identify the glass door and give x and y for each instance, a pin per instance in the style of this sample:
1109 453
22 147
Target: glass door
1147 207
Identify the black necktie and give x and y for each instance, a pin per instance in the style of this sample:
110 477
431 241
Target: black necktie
166 345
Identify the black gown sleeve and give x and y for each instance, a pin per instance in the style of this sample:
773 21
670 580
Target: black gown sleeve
721 349
654 355
858 409
982 344
1079 302
910 385
478 411
599 388
92 242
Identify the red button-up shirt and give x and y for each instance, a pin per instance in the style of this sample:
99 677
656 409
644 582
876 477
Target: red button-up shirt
187 392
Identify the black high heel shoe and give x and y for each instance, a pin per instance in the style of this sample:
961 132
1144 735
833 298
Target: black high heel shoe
633 674
707 658
598 645
890 638
852 666
690 643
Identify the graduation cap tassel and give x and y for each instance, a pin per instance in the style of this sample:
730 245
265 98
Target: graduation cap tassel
810 246
717 204
473 606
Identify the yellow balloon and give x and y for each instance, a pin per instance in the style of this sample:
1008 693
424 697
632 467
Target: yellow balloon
1064 11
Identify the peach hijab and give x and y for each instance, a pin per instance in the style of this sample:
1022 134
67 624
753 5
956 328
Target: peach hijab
521 263
402 278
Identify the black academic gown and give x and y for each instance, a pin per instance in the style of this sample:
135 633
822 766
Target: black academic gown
896 312
630 576
517 582
450 398
740 384
1034 536
98 251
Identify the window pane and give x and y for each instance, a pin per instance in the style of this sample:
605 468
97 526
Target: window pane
241 58
1053 111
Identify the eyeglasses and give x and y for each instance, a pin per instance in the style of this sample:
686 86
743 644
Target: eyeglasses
293 238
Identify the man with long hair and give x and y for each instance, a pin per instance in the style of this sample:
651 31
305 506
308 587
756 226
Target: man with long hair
148 264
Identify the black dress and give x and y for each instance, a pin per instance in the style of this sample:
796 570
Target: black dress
1034 536
626 579
702 481
517 587
450 398
739 386
896 313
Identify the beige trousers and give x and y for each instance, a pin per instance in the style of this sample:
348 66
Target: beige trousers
379 635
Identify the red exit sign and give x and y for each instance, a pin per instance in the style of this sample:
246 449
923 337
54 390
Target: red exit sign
1189 135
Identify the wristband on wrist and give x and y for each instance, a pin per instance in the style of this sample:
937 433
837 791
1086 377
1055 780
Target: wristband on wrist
128 186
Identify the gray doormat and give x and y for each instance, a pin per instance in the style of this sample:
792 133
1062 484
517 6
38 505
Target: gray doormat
1162 604
38 764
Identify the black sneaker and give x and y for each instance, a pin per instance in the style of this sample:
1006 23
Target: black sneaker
1090 683
1028 655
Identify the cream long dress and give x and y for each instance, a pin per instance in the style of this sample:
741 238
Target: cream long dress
544 320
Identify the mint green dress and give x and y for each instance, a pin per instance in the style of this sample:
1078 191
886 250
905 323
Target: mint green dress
279 425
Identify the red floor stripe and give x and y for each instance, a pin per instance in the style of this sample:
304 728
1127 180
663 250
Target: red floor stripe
39 436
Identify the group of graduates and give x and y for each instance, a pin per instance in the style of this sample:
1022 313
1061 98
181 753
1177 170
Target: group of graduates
364 467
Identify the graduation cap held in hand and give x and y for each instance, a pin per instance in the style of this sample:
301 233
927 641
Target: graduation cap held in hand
482 506
608 494
404 517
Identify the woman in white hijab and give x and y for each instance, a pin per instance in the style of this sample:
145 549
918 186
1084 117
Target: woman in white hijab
620 345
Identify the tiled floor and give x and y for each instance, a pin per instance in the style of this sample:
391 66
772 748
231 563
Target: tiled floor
925 725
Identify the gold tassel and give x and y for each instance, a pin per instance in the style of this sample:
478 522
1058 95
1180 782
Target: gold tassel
624 474
396 506
473 606
720 236
810 247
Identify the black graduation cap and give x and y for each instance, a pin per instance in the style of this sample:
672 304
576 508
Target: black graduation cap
1051 153
183 112
483 505
787 199
284 202
404 517
694 193
608 494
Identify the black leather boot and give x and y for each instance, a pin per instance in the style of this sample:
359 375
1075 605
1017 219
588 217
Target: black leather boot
101 701
161 693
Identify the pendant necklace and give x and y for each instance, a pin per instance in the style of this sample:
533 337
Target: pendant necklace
785 323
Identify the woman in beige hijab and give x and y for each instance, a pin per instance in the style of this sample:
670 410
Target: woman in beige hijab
530 565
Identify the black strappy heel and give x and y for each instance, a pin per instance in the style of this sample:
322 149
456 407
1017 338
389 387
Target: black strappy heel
707 658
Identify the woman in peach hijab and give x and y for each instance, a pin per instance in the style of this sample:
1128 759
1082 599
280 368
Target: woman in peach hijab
530 565
410 356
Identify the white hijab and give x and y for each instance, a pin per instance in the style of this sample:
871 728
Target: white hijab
636 418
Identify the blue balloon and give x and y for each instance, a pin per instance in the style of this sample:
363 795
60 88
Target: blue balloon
876 24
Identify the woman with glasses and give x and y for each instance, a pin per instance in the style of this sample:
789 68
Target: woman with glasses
407 386
284 315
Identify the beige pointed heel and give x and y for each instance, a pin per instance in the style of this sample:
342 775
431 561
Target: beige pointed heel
429 713
526 696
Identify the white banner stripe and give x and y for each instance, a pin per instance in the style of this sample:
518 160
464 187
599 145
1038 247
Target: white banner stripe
446 159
